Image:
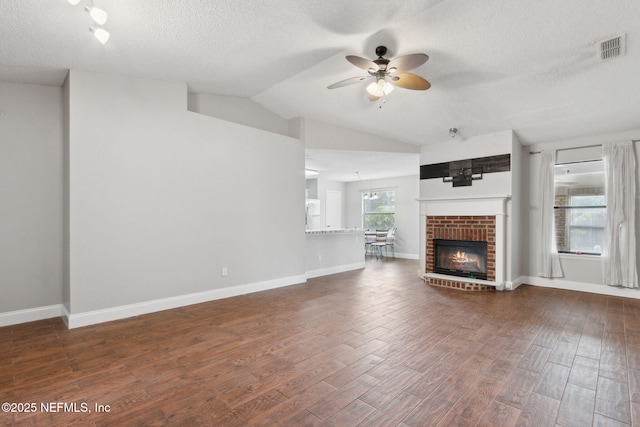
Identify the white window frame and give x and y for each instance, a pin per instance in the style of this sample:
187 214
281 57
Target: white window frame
373 193
569 207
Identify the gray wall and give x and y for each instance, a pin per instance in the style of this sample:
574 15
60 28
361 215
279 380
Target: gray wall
161 198
31 135
519 208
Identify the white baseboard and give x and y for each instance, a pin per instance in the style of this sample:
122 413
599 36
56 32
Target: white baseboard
130 310
333 270
594 288
31 314
407 256
514 284
78 320
65 316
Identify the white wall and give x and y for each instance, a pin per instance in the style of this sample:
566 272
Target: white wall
581 272
493 184
407 215
312 188
239 110
31 135
161 198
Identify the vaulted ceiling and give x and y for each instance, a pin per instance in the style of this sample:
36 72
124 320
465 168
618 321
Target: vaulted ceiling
528 65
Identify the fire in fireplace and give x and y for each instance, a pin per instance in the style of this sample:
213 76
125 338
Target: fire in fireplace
464 258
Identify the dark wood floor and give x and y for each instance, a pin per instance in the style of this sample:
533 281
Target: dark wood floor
374 347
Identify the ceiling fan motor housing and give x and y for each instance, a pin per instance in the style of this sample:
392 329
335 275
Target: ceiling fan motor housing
382 64
381 51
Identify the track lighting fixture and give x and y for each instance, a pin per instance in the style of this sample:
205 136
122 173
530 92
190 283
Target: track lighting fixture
101 34
98 15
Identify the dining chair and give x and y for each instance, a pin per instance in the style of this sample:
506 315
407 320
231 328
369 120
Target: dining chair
369 239
385 243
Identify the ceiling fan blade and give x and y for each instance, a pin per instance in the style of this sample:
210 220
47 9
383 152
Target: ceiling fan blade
348 82
363 63
405 63
409 81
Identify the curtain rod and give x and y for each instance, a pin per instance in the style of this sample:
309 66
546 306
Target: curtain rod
566 149
577 148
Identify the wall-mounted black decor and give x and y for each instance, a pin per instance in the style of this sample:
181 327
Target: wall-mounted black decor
462 173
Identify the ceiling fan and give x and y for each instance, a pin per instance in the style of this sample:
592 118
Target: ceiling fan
387 73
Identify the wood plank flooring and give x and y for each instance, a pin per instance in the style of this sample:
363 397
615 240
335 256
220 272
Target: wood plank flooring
374 347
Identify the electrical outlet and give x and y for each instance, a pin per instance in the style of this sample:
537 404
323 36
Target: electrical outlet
224 271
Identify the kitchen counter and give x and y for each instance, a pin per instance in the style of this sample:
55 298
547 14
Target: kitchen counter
334 251
335 230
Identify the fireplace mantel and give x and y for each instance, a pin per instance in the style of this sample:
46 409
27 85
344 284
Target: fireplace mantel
491 205
495 206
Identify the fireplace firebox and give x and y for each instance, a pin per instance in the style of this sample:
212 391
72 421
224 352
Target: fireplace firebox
463 258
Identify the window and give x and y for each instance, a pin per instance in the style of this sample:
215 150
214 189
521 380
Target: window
580 207
378 209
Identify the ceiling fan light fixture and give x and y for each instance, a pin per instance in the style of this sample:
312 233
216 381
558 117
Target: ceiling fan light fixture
388 88
396 70
379 88
372 88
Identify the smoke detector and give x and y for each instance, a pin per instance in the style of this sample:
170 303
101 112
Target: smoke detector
612 48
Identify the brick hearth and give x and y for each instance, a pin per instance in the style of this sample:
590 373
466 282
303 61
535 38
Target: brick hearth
477 228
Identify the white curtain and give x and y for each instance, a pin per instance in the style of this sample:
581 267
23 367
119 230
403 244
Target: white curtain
619 246
548 259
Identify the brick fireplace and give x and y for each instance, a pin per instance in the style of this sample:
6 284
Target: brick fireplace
457 227
470 219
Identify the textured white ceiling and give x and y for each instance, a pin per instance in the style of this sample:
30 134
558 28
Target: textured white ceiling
527 65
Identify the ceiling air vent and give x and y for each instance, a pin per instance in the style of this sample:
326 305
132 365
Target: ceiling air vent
612 48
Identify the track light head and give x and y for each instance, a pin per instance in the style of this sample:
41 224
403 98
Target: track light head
101 34
98 15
